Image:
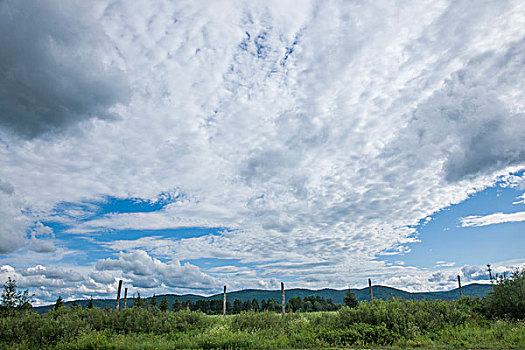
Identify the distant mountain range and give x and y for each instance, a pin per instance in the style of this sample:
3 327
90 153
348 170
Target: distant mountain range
380 292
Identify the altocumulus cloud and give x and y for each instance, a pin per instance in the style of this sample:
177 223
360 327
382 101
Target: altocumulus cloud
320 134
52 68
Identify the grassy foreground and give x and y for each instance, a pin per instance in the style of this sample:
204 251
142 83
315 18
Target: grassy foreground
390 324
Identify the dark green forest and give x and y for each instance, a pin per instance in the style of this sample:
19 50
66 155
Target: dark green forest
337 296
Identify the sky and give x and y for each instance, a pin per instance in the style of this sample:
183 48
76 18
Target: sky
185 145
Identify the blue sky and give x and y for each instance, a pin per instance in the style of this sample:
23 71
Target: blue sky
183 146
444 239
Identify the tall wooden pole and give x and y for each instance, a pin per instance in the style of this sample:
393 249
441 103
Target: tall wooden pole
118 293
282 299
490 274
125 296
370 287
224 304
460 292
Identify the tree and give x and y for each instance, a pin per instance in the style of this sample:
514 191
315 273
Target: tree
264 305
237 306
350 299
255 305
318 306
215 306
153 301
90 304
273 305
188 305
507 299
59 303
295 304
176 305
330 305
308 306
203 306
14 300
138 301
9 294
164 304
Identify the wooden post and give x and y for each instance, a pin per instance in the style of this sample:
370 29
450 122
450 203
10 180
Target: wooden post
460 292
490 274
282 299
370 287
125 296
118 293
224 304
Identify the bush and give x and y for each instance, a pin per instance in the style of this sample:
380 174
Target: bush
359 334
35 329
407 317
146 320
507 300
383 323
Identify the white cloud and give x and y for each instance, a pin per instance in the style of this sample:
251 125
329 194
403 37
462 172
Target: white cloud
52 273
492 219
41 246
12 221
320 132
102 277
147 272
520 199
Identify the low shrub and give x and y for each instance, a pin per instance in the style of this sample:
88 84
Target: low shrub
399 323
406 317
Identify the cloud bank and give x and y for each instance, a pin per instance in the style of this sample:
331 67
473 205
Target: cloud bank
56 68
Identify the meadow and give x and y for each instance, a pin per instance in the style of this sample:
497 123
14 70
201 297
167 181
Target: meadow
384 324
494 322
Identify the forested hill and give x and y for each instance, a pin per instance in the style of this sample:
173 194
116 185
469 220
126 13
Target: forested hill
380 292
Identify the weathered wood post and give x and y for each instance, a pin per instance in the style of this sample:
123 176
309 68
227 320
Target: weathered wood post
125 296
370 287
460 292
282 299
490 274
118 293
224 304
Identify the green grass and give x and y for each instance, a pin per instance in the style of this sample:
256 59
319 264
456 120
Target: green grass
499 335
396 324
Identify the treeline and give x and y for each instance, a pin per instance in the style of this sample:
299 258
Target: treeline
215 306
